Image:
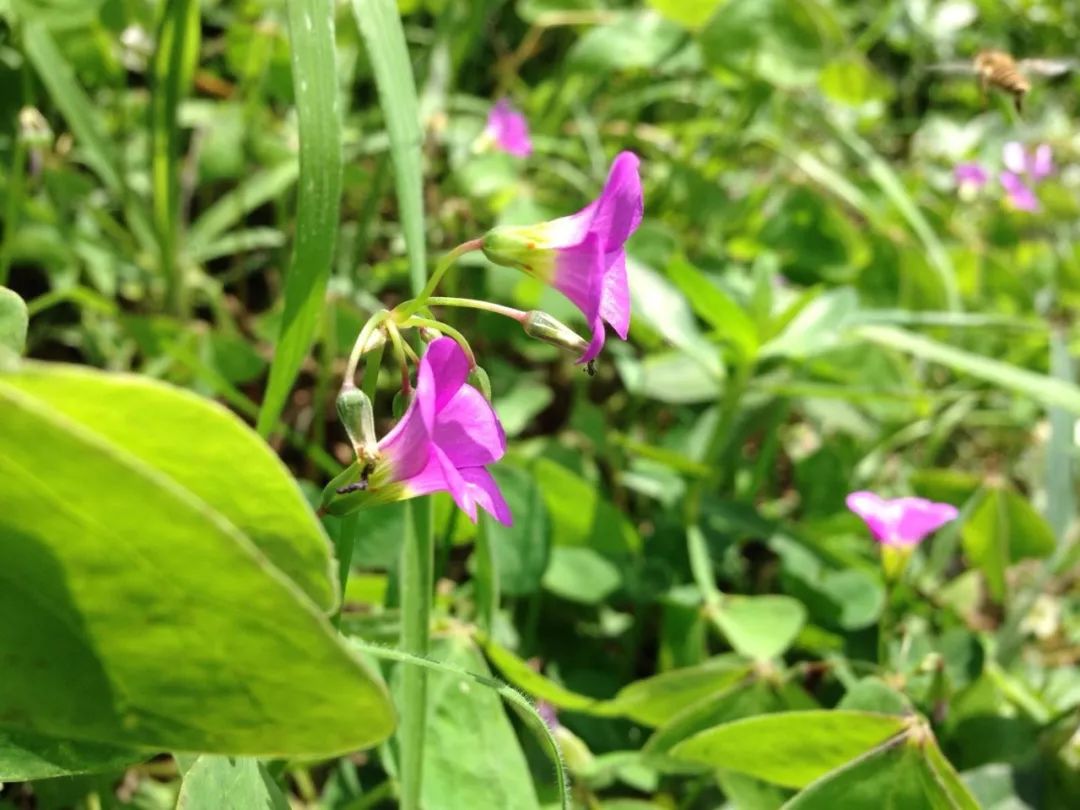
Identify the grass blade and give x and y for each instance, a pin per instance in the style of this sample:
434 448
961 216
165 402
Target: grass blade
173 68
311 28
1047 390
384 39
231 209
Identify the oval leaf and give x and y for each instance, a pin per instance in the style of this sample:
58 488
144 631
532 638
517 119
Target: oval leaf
136 612
790 748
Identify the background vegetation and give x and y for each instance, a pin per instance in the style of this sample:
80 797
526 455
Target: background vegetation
818 308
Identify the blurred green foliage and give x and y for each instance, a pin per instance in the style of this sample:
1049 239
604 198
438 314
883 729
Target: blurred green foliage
818 308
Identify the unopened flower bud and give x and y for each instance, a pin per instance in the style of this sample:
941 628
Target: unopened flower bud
543 327
356 414
579 759
427 334
478 379
34 130
376 340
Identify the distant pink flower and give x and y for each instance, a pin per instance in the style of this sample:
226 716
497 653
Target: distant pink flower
902 522
1022 169
583 255
1037 164
443 442
1020 194
508 129
970 175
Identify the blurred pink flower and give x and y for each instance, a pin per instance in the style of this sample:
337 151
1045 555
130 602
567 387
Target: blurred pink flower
971 175
902 522
583 255
443 442
1022 167
508 129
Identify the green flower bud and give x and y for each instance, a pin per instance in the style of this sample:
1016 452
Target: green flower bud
543 327
356 414
579 759
478 379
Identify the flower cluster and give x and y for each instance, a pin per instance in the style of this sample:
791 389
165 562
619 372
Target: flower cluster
1023 171
448 434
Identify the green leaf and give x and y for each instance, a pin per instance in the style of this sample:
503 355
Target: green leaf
1004 529
13 321
790 748
239 782
891 778
137 612
581 575
231 208
25 756
760 627
817 327
688 13
715 307
522 549
472 758
579 515
948 779
314 66
384 39
653 701
1047 390
529 680
202 447
634 41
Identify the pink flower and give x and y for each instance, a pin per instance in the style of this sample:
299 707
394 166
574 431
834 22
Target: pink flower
1021 164
902 522
443 442
1020 194
971 175
508 129
583 255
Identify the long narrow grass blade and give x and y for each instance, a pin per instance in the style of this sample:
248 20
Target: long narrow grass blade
384 39
1047 390
172 68
311 29
1060 488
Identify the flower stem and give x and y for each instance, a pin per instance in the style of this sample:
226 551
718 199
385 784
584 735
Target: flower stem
472 303
445 263
361 343
449 331
417 562
399 352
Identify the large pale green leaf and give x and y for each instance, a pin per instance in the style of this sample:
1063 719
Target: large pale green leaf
579 515
13 321
715 307
202 447
580 574
240 782
25 756
137 612
472 758
790 748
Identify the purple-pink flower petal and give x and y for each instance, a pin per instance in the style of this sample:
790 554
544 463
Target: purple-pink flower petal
509 130
1042 162
447 435
1015 158
970 174
901 521
1020 194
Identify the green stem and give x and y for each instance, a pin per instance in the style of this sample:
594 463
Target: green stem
416 585
884 629
14 205
472 303
445 263
361 343
486 575
446 330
